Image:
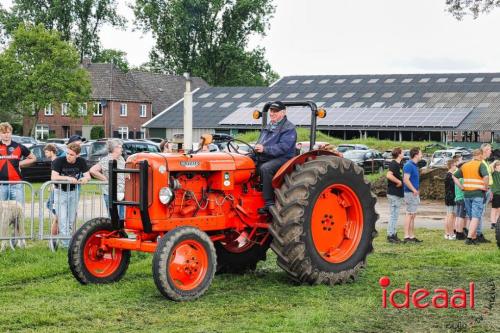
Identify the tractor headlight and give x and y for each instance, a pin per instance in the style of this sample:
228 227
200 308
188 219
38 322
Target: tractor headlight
166 195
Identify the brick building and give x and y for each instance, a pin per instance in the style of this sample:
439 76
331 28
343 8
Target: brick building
120 103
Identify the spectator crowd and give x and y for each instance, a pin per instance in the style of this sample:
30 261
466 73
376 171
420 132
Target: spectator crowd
469 188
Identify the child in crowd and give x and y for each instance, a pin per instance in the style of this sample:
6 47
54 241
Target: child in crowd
495 189
449 200
460 230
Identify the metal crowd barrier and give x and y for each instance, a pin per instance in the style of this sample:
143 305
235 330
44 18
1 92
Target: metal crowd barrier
68 209
15 211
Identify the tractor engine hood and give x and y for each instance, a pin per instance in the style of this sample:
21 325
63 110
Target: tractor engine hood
196 162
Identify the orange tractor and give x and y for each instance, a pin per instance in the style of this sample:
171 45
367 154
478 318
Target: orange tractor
190 208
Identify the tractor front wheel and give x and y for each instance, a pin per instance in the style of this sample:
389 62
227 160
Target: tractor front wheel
323 221
184 264
89 261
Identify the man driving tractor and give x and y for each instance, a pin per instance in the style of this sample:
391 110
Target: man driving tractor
275 146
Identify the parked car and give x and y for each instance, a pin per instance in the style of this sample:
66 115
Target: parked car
304 145
55 140
406 157
98 149
345 147
26 141
441 157
370 160
155 140
40 170
211 147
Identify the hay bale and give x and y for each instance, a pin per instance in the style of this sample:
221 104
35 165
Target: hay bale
431 184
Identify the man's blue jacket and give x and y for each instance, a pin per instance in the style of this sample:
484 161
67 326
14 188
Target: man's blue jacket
278 141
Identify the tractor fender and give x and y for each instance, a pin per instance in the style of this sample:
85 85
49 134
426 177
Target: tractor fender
300 159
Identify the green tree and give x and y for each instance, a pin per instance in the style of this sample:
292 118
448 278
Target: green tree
79 21
461 8
208 38
97 132
110 56
38 69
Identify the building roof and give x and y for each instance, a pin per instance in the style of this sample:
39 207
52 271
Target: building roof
110 83
210 106
479 93
164 89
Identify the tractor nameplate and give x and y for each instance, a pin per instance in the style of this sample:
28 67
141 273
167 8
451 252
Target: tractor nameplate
190 164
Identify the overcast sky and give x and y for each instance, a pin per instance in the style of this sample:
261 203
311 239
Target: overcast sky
358 37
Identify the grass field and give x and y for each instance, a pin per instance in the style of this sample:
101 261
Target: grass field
38 293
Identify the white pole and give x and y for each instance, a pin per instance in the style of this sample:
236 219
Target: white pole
188 115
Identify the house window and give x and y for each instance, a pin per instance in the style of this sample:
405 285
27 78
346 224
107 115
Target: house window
48 111
142 110
337 104
226 104
307 81
372 80
221 95
275 95
123 110
82 109
97 109
205 95
356 105
408 80
123 132
368 95
42 132
64 109
311 95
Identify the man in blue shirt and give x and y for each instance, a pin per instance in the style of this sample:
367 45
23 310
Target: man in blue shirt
411 185
275 146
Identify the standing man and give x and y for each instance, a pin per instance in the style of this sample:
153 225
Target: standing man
476 180
275 146
486 153
11 154
72 169
394 193
411 185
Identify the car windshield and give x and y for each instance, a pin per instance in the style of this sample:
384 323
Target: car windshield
352 154
98 148
344 148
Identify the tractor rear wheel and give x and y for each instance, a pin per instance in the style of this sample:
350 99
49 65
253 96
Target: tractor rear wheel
91 263
323 221
184 264
234 260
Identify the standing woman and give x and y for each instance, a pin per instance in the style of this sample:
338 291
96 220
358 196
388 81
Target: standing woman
101 171
50 151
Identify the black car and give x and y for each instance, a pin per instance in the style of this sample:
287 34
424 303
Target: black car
98 149
406 157
370 160
40 170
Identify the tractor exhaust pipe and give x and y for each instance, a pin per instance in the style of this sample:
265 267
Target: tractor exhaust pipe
188 115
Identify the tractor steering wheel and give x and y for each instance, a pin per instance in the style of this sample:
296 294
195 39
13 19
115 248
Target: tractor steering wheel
230 146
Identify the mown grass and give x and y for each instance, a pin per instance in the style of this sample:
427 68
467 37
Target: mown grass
38 293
